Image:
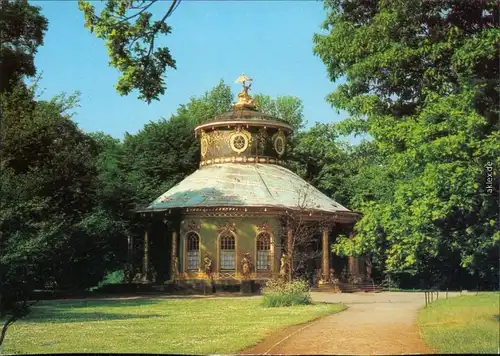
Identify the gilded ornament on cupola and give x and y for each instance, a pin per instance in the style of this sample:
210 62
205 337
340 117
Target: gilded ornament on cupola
279 142
245 101
204 143
239 140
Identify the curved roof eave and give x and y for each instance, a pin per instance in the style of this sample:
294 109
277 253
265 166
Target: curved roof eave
245 185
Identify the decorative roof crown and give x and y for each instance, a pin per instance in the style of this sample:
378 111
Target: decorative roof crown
243 135
245 101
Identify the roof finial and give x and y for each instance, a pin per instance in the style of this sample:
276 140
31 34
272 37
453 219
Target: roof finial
244 100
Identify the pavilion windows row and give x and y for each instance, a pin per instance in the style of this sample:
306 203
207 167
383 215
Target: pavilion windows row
227 251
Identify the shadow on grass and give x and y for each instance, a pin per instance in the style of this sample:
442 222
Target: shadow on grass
96 303
63 316
497 317
87 311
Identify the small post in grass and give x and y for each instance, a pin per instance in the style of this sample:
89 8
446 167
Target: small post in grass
446 293
425 295
437 295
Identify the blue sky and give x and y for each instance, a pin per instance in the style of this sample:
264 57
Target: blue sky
270 41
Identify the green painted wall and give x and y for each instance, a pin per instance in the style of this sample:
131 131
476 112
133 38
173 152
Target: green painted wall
246 233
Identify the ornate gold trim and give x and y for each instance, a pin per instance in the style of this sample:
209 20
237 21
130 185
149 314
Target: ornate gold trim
263 227
239 140
191 225
204 143
227 227
234 276
279 142
244 159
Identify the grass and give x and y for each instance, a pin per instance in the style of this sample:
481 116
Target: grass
200 326
466 324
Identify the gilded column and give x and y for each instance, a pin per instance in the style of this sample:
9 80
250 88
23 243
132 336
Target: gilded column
175 259
145 267
326 254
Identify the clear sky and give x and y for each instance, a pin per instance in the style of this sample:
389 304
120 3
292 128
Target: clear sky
270 41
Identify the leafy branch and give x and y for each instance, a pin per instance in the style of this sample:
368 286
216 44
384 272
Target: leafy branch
130 33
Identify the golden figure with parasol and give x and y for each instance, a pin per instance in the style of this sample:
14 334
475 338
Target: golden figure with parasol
244 99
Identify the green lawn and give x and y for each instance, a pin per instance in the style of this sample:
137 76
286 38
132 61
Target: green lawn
153 325
466 324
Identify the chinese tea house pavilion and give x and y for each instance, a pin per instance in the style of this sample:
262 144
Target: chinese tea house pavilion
225 219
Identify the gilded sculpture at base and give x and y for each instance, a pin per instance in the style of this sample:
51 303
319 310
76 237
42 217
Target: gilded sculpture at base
207 265
244 99
246 266
283 265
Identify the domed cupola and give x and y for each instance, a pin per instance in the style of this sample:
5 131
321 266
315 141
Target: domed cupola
243 135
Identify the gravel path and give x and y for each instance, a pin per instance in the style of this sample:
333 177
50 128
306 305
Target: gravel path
373 324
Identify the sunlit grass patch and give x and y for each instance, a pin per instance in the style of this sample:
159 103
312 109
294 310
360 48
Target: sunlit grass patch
466 324
153 325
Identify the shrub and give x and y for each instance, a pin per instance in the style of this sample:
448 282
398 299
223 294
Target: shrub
278 293
115 277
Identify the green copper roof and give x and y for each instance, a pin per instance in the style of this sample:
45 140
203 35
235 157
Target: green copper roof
248 185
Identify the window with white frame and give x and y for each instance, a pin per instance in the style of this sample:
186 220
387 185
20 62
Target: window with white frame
263 251
193 251
227 251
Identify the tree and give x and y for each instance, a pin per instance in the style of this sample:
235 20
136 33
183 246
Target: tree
131 46
214 102
165 152
421 79
317 156
300 235
22 30
53 233
288 108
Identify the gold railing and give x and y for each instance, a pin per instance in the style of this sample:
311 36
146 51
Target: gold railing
226 275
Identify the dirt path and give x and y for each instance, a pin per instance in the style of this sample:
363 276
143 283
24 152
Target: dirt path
382 323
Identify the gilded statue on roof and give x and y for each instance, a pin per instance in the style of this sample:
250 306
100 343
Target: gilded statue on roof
244 99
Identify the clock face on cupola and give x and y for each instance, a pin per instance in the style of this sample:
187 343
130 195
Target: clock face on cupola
243 135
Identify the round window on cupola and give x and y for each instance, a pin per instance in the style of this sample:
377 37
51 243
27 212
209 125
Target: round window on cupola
279 143
240 140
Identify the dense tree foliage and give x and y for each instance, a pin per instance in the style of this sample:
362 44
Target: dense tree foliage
288 108
422 80
22 28
52 228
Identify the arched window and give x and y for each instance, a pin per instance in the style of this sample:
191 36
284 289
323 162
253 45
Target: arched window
227 251
263 251
193 251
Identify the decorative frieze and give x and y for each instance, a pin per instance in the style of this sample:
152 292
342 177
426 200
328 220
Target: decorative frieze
191 225
230 226
264 227
244 159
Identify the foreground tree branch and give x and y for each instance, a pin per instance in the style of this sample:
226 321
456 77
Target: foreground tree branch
129 33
